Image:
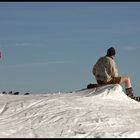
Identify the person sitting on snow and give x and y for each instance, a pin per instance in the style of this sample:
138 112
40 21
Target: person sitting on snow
106 72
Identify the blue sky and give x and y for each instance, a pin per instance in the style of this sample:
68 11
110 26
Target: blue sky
52 46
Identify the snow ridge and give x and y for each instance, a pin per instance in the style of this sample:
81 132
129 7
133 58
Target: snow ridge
93 113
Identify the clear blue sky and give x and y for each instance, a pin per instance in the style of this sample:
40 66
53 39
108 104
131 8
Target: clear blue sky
52 46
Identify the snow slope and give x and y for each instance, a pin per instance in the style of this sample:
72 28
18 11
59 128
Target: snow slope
94 113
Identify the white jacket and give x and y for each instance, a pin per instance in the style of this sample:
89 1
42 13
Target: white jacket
105 68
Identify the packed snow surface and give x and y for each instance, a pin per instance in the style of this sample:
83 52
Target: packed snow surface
94 113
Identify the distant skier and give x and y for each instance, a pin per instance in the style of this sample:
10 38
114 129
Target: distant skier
106 72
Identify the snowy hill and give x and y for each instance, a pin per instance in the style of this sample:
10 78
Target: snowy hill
96 113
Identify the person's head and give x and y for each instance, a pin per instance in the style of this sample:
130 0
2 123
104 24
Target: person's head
111 52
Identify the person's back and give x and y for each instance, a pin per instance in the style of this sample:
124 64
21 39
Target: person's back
101 69
104 69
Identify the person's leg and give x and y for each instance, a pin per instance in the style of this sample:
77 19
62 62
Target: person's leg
126 80
128 87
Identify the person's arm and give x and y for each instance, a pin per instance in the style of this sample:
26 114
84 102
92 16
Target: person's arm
113 69
114 72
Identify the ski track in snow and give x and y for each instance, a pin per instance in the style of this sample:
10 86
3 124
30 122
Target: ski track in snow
94 113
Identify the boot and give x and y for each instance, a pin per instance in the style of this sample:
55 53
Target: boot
137 98
129 92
